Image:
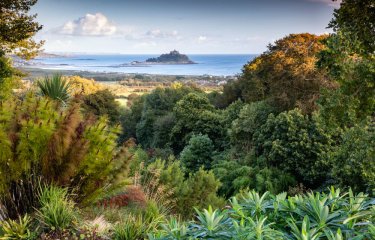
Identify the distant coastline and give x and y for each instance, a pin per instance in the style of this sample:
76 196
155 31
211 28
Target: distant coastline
213 65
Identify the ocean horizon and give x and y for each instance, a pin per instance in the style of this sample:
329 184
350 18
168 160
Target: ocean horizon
206 64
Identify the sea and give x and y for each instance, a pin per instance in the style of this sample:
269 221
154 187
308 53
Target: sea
214 64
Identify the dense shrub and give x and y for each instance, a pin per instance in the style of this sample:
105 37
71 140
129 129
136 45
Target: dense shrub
182 193
296 144
251 117
39 138
195 114
353 161
198 153
102 103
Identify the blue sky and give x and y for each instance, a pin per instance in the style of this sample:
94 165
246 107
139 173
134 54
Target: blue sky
190 26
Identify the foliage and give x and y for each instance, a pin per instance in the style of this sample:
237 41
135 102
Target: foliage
57 212
195 114
356 17
180 192
199 190
212 224
198 153
55 87
38 138
9 77
102 103
173 229
80 85
251 117
266 216
156 120
130 117
285 74
132 227
354 159
296 144
17 27
236 177
11 229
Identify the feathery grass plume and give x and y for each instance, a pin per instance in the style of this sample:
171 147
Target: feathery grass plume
154 189
119 177
40 138
55 87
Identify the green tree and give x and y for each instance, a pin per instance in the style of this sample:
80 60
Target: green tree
195 114
129 118
17 27
102 103
251 117
159 103
199 191
285 74
353 161
9 77
296 144
198 153
357 18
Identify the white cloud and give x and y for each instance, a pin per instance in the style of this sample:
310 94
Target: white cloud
202 38
253 38
157 33
89 25
145 44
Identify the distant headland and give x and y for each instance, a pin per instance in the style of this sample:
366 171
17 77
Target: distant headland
173 57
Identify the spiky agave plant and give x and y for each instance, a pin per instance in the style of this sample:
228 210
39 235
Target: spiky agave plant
55 87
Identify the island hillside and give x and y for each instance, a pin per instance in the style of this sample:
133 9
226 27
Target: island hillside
173 57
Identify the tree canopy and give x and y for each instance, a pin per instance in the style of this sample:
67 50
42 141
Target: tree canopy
285 74
17 27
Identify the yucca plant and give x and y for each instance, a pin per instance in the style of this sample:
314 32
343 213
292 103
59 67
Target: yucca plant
55 87
16 229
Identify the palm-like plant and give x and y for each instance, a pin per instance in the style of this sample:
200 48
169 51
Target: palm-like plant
255 204
255 229
55 87
16 229
173 229
306 232
316 207
211 225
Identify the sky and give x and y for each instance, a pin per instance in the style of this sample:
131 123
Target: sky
190 26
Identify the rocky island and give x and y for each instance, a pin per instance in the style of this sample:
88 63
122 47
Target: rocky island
173 57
